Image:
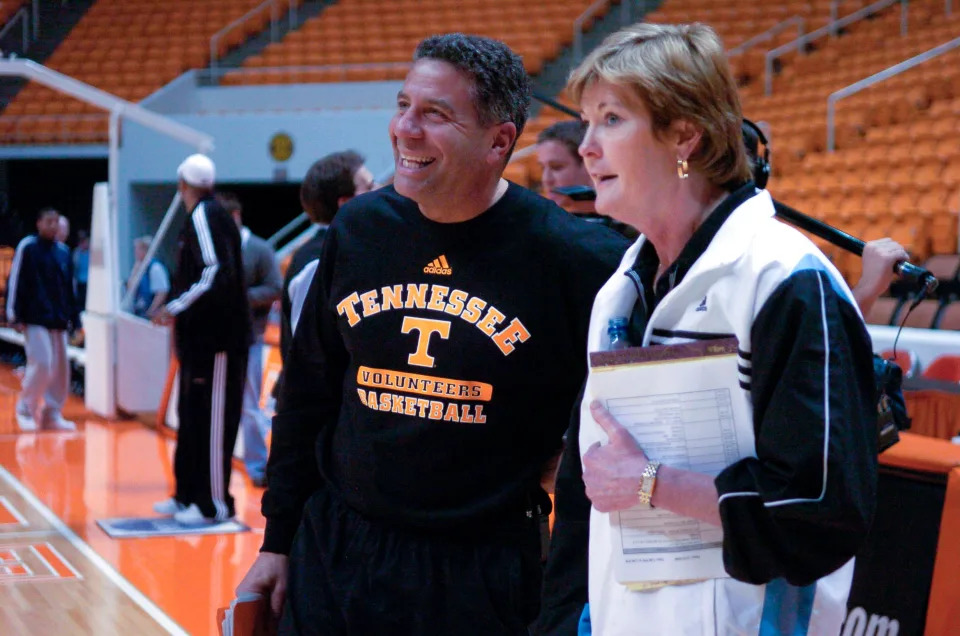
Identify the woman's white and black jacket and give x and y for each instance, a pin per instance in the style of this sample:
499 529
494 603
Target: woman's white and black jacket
794 514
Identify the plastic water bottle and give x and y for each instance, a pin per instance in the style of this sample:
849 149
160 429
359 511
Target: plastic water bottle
617 330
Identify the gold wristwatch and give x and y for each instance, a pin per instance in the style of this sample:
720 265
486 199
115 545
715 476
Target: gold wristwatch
648 479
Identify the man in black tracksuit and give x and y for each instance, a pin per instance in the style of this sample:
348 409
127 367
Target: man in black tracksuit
212 334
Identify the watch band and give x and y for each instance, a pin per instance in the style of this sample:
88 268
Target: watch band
648 479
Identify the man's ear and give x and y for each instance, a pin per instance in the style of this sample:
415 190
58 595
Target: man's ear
343 199
505 135
686 136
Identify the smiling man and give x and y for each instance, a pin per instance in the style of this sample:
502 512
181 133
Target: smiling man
432 373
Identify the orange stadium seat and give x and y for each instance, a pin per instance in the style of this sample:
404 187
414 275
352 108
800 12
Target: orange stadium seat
884 311
950 317
924 316
945 367
906 360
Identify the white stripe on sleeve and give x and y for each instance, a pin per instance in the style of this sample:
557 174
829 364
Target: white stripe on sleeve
202 286
297 291
15 276
826 406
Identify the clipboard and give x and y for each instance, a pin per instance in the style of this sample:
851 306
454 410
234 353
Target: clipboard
247 615
685 407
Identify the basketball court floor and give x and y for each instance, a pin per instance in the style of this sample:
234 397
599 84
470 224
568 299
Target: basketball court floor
61 574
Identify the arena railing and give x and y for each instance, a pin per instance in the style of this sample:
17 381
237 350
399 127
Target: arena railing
835 15
214 75
589 12
21 17
801 43
288 230
876 78
274 7
798 20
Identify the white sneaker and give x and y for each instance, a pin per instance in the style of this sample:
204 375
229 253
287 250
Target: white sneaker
59 424
25 422
168 506
191 516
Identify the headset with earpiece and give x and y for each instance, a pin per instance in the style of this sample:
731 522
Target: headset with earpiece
753 137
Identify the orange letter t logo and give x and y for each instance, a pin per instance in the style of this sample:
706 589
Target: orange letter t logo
426 328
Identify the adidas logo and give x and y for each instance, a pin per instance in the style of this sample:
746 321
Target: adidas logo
703 305
438 266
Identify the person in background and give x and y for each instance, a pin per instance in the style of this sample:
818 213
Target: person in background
562 166
154 285
263 283
63 230
329 183
81 267
41 306
212 338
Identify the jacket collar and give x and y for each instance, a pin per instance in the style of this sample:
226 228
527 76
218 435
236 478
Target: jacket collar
703 240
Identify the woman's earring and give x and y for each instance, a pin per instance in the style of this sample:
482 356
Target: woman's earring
682 170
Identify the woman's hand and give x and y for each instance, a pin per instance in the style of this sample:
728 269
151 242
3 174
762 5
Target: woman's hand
611 472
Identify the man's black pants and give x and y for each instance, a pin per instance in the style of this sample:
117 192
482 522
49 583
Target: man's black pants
211 396
351 576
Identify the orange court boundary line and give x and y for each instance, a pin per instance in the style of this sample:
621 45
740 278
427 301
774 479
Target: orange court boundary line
51 556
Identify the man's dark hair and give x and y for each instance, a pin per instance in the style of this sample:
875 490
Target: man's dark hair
230 202
327 180
569 133
501 86
45 211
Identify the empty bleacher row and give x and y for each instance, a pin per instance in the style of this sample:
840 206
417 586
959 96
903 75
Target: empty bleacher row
897 168
132 48
129 48
382 34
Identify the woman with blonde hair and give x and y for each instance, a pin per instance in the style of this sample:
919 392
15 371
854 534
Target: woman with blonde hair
664 149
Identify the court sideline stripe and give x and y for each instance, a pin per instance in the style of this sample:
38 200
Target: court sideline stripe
84 548
6 503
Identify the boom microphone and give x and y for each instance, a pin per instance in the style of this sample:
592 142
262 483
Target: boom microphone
851 244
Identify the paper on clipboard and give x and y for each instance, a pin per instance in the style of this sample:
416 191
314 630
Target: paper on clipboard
682 404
